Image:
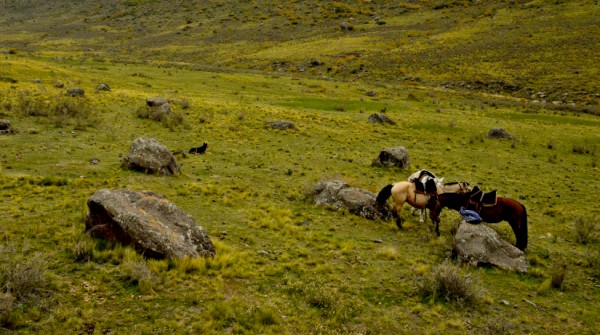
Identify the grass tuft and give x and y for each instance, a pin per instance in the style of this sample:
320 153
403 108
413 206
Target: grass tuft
446 281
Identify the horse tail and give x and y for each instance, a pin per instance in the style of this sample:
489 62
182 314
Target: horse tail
385 194
523 230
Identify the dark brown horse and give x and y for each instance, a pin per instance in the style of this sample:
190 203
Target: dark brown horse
506 209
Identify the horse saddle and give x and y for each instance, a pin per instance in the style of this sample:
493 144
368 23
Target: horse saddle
483 199
428 187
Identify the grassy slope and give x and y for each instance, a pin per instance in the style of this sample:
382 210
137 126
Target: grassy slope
259 205
541 45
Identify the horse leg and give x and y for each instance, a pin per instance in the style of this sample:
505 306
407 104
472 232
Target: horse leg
421 215
397 209
437 227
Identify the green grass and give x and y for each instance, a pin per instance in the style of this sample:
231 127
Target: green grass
328 277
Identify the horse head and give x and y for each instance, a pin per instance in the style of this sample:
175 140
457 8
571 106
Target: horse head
464 187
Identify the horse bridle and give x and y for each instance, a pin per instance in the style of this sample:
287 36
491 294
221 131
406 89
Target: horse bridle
434 217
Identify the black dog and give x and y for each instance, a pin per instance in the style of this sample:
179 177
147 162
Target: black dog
199 150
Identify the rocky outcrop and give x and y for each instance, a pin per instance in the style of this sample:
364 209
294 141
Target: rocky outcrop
478 244
281 125
150 222
150 156
103 87
371 93
499 133
393 157
5 127
75 92
357 201
37 81
380 118
159 107
344 26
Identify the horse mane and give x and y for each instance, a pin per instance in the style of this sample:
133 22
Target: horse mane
448 184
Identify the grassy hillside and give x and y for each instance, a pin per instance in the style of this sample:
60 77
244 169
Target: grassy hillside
516 48
225 75
327 277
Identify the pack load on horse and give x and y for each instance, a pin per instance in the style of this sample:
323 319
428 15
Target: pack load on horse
490 207
425 183
403 191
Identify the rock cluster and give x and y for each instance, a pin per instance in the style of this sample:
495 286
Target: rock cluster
357 201
499 133
380 118
281 125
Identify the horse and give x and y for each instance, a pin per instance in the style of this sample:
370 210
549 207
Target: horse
423 176
506 209
403 191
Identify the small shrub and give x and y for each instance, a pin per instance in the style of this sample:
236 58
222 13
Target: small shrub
13 51
558 273
584 148
266 316
544 287
135 270
593 258
83 248
24 277
477 138
584 227
496 326
6 303
413 97
389 253
184 103
447 282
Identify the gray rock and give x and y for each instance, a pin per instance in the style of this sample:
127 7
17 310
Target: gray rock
150 156
94 160
37 81
504 302
75 92
5 124
344 26
304 223
380 118
391 157
159 107
156 102
281 125
262 252
147 220
103 87
480 244
357 201
498 133
371 93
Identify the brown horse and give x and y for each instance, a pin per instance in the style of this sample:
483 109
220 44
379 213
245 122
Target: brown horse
403 191
506 209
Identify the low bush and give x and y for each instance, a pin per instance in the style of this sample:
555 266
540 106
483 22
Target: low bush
558 273
593 258
584 227
446 281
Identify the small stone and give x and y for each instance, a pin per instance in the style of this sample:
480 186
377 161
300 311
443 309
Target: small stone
262 252
94 160
303 223
504 302
378 241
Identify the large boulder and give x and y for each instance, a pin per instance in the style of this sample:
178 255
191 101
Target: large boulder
479 244
391 157
147 220
150 156
380 118
281 125
499 133
371 93
75 92
344 26
357 201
